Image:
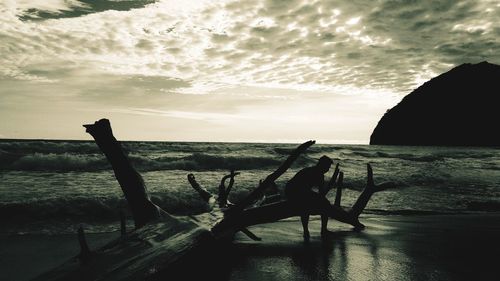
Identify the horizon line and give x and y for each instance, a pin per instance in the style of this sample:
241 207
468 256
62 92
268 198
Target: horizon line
348 142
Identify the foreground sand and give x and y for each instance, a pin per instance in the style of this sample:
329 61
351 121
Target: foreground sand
435 247
451 247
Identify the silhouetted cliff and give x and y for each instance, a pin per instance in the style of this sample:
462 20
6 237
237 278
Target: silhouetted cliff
457 108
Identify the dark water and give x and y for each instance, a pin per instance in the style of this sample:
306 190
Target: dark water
51 186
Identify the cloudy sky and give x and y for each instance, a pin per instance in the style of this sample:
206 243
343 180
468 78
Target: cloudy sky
264 70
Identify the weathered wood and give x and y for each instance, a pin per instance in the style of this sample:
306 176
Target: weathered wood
332 183
156 251
285 209
250 234
367 193
162 243
131 182
277 211
270 179
216 213
231 183
224 191
338 194
204 194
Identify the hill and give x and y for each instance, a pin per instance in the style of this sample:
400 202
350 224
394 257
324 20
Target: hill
457 108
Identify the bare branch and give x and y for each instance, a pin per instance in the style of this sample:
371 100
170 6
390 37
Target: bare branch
131 182
369 179
204 194
231 182
250 234
332 183
289 161
259 191
338 195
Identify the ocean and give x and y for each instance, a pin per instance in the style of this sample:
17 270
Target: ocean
52 187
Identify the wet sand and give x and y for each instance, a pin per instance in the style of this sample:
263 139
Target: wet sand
451 247
23 257
434 247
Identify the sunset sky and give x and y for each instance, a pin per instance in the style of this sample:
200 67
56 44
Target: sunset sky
270 71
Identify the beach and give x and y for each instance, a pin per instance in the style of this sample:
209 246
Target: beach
440 221
392 247
450 247
170 140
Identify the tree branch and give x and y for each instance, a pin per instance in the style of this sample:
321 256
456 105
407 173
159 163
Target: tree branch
131 182
259 191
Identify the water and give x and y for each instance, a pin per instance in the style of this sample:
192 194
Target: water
52 186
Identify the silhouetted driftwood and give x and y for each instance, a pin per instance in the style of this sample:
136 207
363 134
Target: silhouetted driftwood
131 182
162 244
238 217
338 195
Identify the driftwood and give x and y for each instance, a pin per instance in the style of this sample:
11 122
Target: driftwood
131 182
161 243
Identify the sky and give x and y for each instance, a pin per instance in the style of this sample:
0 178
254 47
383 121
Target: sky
238 71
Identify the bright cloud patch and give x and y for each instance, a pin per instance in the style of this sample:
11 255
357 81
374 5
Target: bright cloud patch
124 55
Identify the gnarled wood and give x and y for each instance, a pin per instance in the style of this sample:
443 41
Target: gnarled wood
340 185
244 217
131 182
332 183
161 242
216 211
270 179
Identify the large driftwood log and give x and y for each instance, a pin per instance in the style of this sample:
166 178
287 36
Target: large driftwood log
234 222
131 182
270 179
162 245
238 217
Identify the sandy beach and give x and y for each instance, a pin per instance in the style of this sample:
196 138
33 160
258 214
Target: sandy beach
23 257
438 247
433 247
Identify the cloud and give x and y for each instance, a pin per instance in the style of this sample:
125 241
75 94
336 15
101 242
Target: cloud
31 8
390 45
386 45
55 9
200 116
145 54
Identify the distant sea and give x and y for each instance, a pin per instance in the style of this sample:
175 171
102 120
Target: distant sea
51 187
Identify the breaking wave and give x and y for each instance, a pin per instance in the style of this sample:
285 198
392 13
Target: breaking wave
91 208
58 162
408 157
94 162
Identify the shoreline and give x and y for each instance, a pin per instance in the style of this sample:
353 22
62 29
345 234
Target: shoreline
430 247
395 247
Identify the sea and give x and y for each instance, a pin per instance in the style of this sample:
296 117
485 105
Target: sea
53 186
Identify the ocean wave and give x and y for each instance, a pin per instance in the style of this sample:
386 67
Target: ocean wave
66 162
202 161
401 156
89 147
40 146
58 162
283 151
92 208
423 157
